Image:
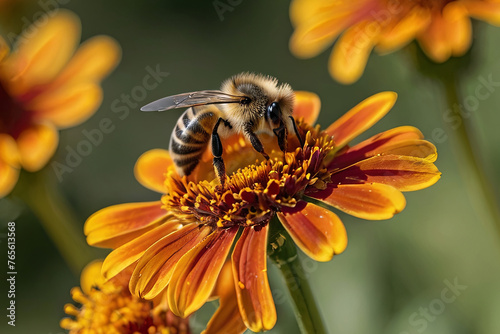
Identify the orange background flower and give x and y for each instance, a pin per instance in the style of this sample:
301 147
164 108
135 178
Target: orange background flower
47 83
443 29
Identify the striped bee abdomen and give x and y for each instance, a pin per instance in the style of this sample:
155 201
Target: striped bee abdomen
191 137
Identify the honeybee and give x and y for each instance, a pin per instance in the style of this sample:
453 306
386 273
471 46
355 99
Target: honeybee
246 103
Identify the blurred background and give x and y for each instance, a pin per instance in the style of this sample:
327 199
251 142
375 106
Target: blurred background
394 274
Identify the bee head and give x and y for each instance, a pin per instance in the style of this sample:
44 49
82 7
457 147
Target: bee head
264 97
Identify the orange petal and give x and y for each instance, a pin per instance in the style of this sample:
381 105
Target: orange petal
459 28
361 117
434 40
8 178
484 10
155 268
91 276
227 318
368 201
405 173
350 53
45 49
304 10
9 152
398 141
92 62
36 145
307 106
314 36
250 278
4 49
116 225
404 31
68 105
151 167
125 255
317 231
196 272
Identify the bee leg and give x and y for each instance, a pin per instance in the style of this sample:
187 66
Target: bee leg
217 150
297 132
256 143
281 133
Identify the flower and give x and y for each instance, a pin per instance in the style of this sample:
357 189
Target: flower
108 307
45 86
180 243
442 28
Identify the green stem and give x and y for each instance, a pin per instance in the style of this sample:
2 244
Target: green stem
284 253
56 217
483 196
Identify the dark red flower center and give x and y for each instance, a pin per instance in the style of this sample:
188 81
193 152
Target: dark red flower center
14 118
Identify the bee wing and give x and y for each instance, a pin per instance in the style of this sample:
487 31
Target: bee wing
193 99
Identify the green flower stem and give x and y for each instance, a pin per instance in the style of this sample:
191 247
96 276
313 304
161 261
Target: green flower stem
56 217
483 197
466 150
284 253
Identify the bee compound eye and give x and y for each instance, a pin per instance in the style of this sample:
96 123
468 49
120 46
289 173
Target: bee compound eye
273 112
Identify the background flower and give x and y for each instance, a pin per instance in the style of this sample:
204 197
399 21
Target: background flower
108 307
46 84
442 28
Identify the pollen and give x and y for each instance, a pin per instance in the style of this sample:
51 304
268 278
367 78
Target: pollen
110 308
254 193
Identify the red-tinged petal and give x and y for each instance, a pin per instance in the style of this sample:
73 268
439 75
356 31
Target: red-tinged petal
44 50
155 268
36 145
371 201
405 30
307 106
411 147
405 173
125 255
250 278
350 53
68 105
361 117
317 231
227 318
8 178
196 272
375 145
314 36
151 167
116 225
92 61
